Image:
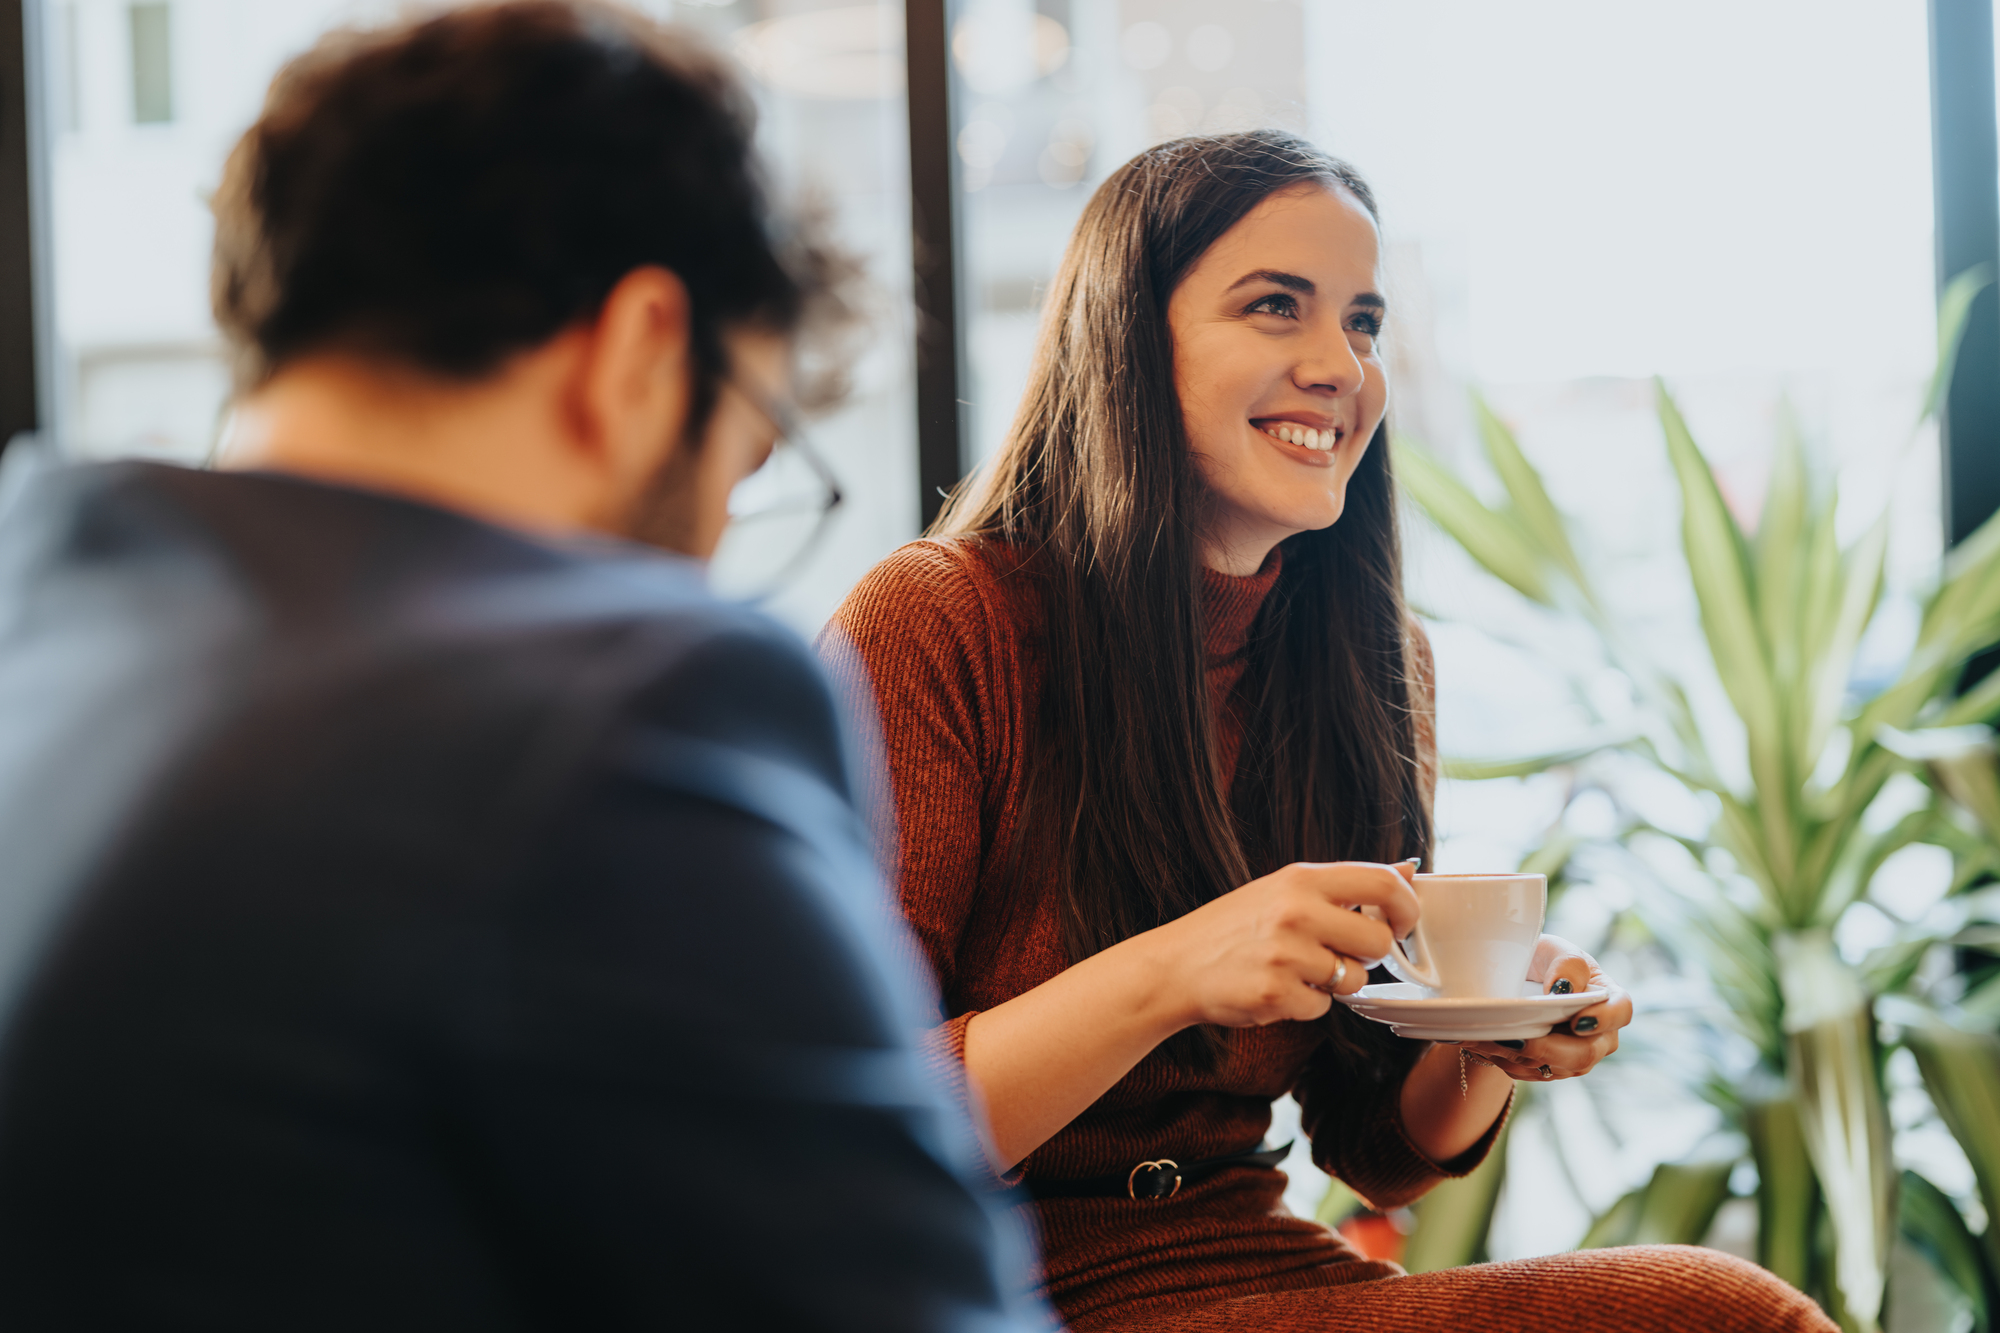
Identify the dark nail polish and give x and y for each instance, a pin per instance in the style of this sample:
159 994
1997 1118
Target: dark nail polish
1562 987
1511 1045
1583 1025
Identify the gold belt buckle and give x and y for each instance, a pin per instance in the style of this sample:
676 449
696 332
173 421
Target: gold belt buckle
1156 1170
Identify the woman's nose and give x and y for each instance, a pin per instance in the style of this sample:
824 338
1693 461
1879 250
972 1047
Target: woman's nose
1333 366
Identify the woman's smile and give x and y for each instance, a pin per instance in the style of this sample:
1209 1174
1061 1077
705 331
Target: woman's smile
1309 439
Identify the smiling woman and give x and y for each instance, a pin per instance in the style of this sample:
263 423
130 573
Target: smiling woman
1157 720
1289 353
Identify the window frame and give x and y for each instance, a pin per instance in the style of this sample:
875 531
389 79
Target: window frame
1965 156
936 248
27 396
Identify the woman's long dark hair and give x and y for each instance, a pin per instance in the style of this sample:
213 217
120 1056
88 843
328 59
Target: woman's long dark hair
1097 488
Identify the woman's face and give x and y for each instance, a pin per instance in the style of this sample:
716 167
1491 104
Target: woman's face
1274 334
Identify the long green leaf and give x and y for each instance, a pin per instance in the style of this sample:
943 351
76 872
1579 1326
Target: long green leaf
1828 863
1889 969
1617 1224
1973 867
1741 833
1962 763
1787 1189
1831 1031
1719 562
1829 655
1821 585
1453 1219
1477 770
1964 616
1496 540
1783 569
1974 782
1676 1206
1682 1202
1696 776
1953 308
1856 876
1551 857
1961 617
1537 513
1712 934
1843 807
1338 1203
1962 1074
1981 703
1755 1007
1932 1222
1980 1006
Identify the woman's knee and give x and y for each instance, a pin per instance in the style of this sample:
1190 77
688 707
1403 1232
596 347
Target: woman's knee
1731 1293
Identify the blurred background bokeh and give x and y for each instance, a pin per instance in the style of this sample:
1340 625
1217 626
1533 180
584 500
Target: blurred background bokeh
1577 198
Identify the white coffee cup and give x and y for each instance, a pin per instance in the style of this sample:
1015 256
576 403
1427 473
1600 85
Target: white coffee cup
1476 936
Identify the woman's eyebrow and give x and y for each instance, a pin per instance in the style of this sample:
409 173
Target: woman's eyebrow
1303 286
1291 281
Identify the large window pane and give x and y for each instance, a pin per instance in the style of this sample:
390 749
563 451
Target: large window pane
152 64
829 79
1053 97
1735 198
149 97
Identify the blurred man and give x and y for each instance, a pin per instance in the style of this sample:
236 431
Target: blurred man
420 905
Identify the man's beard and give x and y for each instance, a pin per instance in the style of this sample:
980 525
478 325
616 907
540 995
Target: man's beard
666 511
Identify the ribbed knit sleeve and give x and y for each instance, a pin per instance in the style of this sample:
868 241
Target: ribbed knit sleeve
1355 1125
920 629
919 633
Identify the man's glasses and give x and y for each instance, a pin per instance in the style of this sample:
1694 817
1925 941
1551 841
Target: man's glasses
779 514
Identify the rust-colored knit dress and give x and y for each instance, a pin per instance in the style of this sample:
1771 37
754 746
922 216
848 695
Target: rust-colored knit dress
947 634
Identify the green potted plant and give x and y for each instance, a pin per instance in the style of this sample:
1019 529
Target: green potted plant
1783 609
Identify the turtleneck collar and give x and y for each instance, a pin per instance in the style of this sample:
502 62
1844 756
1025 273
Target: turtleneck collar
1230 603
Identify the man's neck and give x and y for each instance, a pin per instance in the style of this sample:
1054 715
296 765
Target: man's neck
483 448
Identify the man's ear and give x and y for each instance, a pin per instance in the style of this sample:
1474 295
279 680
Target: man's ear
636 385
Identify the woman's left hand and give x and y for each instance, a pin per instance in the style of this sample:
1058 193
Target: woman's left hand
1575 1047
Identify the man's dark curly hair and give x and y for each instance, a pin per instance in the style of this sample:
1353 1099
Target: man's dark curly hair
444 193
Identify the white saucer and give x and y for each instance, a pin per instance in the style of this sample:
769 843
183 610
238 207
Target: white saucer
1412 1011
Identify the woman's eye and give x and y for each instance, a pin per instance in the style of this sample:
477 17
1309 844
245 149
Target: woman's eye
1367 322
1278 303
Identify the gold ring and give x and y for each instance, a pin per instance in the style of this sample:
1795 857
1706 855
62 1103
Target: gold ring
1339 972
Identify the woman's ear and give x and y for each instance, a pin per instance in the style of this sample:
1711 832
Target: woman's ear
636 385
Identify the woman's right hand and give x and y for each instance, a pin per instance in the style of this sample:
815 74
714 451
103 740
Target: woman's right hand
1263 954
1270 951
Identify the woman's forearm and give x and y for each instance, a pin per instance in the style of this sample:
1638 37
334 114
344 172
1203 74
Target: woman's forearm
1040 1059
1267 952
1443 1117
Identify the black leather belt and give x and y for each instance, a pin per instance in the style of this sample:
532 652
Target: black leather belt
1161 1179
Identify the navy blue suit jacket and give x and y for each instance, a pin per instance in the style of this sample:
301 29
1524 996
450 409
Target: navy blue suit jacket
405 924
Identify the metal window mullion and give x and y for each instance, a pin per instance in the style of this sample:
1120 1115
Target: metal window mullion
936 254
1966 184
26 371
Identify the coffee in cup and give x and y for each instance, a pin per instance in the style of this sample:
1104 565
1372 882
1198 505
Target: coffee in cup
1476 936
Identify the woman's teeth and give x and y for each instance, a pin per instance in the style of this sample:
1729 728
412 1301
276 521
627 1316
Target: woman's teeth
1322 440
